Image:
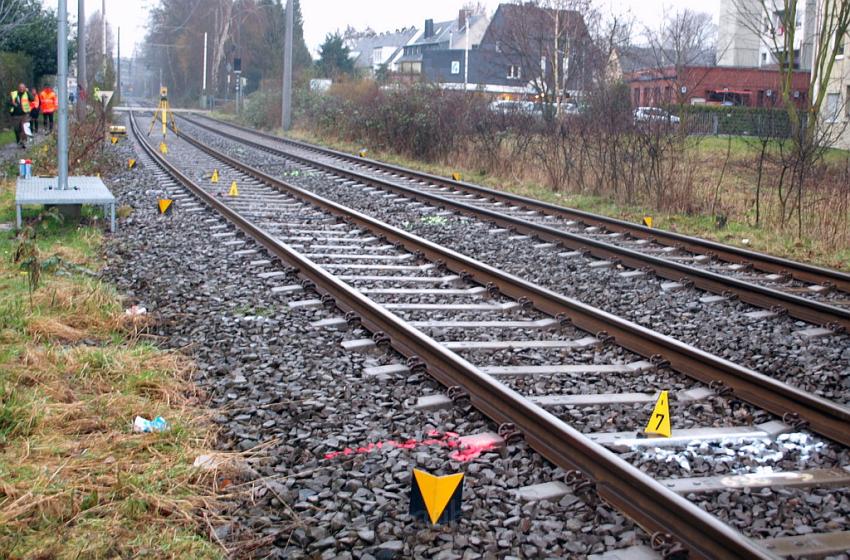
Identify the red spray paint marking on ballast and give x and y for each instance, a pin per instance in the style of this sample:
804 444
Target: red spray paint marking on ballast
463 452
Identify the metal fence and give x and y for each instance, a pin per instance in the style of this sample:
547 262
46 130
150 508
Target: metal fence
738 122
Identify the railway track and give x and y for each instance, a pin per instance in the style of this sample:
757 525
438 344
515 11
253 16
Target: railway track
462 320
816 295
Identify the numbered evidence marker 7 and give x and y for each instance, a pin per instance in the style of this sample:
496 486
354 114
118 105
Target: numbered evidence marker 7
436 498
659 422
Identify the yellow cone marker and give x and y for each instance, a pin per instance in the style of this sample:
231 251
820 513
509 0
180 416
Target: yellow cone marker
163 148
164 205
363 153
456 176
234 190
659 422
214 176
437 497
131 163
114 139
647 221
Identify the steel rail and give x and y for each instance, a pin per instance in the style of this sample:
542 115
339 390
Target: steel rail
821 415
647 502
760 261
802 308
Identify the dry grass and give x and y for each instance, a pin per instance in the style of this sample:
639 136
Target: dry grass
75 481
826 229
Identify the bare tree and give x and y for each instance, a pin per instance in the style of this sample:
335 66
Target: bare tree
780 25
687 42
12 14
548 42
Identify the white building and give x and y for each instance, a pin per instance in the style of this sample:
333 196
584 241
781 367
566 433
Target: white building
749 35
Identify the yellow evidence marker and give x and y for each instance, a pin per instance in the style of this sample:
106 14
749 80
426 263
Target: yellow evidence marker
131 163
114 139
165 205
214 176
456 176
234 190
163 148
659 422
363 153
436 498
647 221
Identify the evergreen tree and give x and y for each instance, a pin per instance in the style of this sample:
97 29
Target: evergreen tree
334 57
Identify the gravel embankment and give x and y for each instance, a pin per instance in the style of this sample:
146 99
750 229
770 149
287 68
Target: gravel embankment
289 394
772 347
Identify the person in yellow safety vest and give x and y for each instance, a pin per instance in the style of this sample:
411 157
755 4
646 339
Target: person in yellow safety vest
20 107
35 106
49 104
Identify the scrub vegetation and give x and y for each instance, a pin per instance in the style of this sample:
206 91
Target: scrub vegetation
75 369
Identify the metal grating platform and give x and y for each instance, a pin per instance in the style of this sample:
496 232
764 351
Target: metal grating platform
81 190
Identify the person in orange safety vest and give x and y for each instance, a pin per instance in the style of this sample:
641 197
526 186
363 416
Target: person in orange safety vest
49 104
35 104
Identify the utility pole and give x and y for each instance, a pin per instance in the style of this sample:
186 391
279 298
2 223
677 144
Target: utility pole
467 15
204 88
82 84
286 101
103 24
62 59
118 77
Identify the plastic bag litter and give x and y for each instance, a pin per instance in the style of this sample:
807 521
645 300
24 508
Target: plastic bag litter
27 129
158 424
135 311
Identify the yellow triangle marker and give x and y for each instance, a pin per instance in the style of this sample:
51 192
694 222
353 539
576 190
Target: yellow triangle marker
164 205
114 139
163 148
647 221
363 153
456 176
659 422
131 163
215 176
234 190
435 493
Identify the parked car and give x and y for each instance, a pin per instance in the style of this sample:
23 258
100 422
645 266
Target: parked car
654 114
512 107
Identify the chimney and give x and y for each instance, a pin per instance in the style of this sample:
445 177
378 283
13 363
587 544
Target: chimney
429 29
461 19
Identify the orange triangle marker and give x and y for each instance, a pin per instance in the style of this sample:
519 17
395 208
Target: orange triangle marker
436 492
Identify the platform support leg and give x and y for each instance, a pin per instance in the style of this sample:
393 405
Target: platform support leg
18 215
112 218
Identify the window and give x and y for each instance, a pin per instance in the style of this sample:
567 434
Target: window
514 72
636 97
833 107
764 58
839 47
847 103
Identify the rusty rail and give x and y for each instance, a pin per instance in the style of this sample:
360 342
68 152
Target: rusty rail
665 514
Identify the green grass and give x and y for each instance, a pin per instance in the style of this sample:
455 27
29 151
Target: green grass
75 482
6 137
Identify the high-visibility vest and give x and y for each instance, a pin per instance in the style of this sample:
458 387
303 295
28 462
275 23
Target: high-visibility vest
25 102
35 102
48 101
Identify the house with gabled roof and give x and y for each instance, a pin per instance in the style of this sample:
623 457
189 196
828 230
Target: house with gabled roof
372 51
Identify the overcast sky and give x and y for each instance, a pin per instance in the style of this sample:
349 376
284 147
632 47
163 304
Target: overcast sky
325 16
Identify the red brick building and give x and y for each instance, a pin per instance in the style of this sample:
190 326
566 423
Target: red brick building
750 87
